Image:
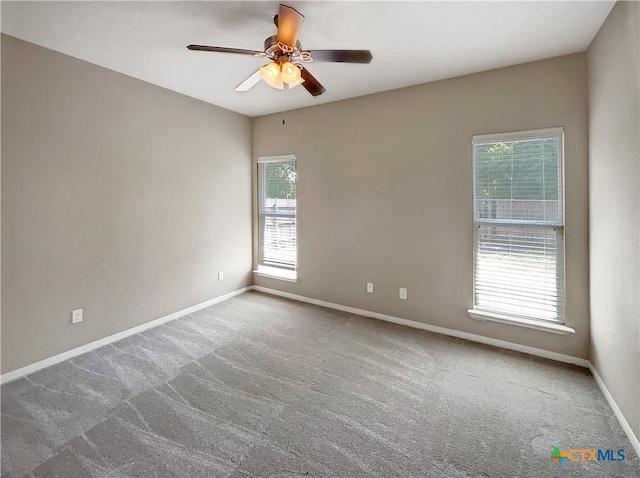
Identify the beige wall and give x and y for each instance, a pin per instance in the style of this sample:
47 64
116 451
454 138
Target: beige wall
118 197
101 212
385 192
614 171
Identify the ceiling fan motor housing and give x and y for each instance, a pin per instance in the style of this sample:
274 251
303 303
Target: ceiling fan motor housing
273 50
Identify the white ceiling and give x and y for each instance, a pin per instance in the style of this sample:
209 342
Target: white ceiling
411 42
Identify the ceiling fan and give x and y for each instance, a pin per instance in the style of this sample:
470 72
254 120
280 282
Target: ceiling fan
287 56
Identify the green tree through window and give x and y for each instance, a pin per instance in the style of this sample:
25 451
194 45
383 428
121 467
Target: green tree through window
518 170
280 180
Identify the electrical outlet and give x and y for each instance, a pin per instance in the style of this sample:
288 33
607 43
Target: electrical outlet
220 275
403 293
76 316
370 287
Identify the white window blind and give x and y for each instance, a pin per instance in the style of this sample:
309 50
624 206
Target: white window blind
519 224
277 213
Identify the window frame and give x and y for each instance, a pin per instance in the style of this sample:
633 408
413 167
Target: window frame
483 313
272 270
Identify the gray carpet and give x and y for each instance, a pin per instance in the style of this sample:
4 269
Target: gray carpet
260 386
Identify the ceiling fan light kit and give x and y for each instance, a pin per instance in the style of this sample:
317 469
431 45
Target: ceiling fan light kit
287 56
279 72
290 73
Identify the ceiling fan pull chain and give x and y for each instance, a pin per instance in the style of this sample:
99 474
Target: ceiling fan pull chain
283 88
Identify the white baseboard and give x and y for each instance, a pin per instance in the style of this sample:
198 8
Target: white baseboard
7 377
616 410
433 328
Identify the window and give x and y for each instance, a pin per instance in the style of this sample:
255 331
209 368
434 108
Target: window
519 225
277 217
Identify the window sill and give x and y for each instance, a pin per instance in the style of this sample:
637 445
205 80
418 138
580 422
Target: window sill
275 273
528 323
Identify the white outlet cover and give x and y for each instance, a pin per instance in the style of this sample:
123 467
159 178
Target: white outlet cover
220 275
370 287
76 316
403 293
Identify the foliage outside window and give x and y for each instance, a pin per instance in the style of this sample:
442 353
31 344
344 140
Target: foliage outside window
277 213
519 224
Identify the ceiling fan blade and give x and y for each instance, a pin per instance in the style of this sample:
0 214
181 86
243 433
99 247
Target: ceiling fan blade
289 23
342 56
250 82
221 49
312 85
